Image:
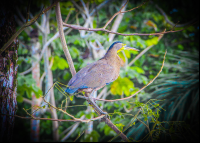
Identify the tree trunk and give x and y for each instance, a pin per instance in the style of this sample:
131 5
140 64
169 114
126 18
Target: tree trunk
8 73
35 124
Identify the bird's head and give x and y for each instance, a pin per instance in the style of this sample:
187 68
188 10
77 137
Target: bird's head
119 46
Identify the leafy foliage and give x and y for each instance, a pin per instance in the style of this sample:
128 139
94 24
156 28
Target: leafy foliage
177 85
178 90
26 85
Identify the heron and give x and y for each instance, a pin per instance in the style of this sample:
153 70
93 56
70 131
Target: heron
99 73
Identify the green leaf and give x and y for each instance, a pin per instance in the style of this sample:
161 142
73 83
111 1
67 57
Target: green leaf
19 99
138 69
88 116
120 126
62 64
152 41
92 137
122 85
180 47
71 98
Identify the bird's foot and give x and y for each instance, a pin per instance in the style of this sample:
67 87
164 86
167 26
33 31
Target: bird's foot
106 115
79 96
91 100
103 113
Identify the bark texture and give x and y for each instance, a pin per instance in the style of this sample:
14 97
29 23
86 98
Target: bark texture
8 73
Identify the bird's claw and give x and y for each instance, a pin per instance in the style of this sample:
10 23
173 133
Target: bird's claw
106 114
79 96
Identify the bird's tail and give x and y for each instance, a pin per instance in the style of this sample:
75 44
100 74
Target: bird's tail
71 90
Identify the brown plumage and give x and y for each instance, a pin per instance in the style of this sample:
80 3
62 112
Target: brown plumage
96 75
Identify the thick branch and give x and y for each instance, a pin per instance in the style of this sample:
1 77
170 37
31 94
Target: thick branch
62 38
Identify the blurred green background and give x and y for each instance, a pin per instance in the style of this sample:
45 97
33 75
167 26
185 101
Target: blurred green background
169 107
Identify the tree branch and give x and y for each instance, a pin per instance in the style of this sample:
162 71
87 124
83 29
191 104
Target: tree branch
44 48
62 38
70 62
99 7
120 11
60 120
116 22
24 26
144 51
105 30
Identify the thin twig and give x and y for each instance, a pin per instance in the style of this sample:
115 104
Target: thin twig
67 18
27 101
99 7
76 5
60 120
38 25
108 31
72 130
144 51
117 22
28 11
147 127
120 11
85 121
44 48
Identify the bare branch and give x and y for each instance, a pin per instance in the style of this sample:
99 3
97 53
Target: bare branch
76 5
67 18
44 48
120 11
99 7
135 7
72 130
144 51
38 25
60 120
105 30
116 22
62 38
84 121
43 75
27 101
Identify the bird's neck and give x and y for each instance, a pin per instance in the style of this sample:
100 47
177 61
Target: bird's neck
111 54
112 57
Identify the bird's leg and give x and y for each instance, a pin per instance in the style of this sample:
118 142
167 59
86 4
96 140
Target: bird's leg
80 96
93 101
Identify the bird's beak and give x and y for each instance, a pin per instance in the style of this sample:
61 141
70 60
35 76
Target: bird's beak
130 48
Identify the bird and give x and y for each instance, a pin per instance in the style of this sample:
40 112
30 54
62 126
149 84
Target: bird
99 73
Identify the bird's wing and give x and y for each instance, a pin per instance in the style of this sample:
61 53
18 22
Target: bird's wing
94 75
